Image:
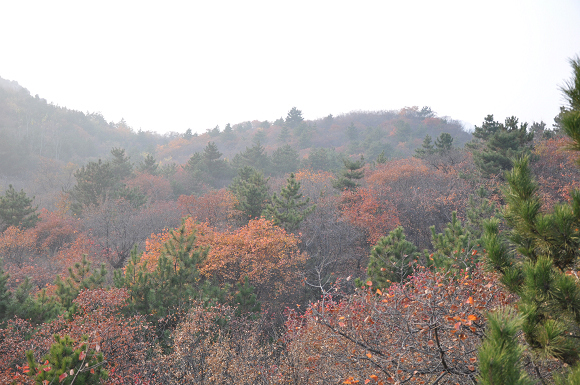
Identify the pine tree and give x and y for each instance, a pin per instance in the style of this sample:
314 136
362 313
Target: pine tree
444 143
65 364
149 165
381 159
455 248
351 172
215 167
16 210
499 354
245 299
284 160
294 118
79 278
252 193
228 133
5 296
289 209
392 259
546 246
284 135
121 164
427 148
254 156
19 303
174 282
499 144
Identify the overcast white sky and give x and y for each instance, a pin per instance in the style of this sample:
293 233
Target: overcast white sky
169 66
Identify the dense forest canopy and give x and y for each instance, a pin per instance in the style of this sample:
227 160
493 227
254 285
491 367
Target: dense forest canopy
370 247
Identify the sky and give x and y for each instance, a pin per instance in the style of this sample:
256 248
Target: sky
173 65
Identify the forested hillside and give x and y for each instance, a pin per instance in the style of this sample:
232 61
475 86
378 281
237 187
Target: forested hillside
371 247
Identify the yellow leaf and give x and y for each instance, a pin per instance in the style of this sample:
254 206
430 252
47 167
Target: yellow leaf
369 355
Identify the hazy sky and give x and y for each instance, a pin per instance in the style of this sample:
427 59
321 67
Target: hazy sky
169 66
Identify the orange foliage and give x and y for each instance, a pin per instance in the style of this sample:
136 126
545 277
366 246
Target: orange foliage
72 252
422 196
154 245
556 170
156 187
54 230
265 253
307 175
364 209
215 207
17 246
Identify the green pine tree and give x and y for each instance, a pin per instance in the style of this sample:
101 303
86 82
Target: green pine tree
254 156
175 282
382 159
65 364
284 135
284 160
120 164
252 193
392 259
427 148
149 165
290 208
245 299
444 143
499 144
545 246
16 210
351 172
79 278
294 118
455 248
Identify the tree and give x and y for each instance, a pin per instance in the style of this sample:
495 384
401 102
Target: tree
149 165
424 331
254 156
261 251
392 259
499 143
216 168
290 209
16 210
294 118
444 143
351 172
284 135
68 364
173 283
245 299
228 133
79 278
284 160
454 248
427 148
546 248
252 193
121 164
